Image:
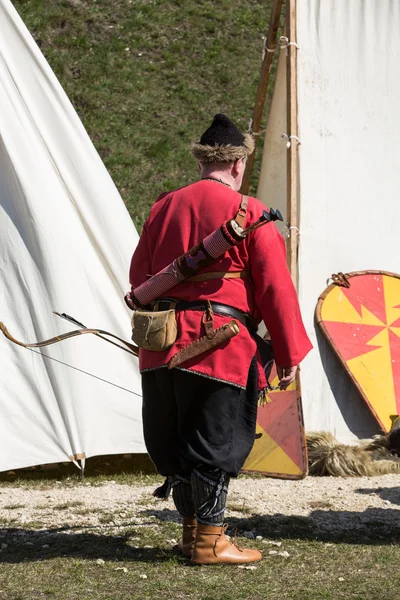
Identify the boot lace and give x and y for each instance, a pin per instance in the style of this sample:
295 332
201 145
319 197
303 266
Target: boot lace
235 542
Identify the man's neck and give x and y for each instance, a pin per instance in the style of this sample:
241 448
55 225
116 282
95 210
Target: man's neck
221 175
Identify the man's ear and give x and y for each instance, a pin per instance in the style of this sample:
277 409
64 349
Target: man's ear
236 168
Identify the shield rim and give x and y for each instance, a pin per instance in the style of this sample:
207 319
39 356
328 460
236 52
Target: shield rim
332 344
302 435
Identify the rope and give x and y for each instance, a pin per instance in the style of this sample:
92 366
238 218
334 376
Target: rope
289 138
289 227
254 133
283 43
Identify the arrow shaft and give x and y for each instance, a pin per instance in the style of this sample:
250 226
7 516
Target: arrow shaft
75 322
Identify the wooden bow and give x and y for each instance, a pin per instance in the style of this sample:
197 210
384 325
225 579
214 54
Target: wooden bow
104 335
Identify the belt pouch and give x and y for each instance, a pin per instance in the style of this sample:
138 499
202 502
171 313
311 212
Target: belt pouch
154 331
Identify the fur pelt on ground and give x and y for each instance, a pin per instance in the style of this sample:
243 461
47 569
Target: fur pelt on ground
326 456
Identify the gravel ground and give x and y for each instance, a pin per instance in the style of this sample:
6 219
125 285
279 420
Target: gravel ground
329 503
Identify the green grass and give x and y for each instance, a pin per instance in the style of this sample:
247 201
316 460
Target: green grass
75 481
106 562
67 505
125 470
146 77
239 507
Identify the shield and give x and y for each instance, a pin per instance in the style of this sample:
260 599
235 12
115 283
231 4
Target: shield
280 447
359 315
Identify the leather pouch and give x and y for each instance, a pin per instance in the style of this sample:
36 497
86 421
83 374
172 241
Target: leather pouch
154 331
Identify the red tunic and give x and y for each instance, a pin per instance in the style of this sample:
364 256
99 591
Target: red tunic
178 221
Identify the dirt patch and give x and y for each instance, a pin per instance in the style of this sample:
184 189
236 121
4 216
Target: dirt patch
327 504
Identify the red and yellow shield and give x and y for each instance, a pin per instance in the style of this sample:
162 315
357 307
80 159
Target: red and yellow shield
360 317
280 447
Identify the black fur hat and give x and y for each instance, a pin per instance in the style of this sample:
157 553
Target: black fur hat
223 142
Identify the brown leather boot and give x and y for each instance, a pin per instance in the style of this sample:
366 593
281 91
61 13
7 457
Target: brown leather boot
186 544
212 547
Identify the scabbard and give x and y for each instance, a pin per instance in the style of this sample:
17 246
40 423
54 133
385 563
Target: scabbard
222 334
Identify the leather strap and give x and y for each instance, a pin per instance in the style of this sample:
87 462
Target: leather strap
242 212
220 275
155 306
208 321
219 309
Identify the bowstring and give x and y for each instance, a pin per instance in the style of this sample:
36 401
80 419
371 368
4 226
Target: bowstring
85 372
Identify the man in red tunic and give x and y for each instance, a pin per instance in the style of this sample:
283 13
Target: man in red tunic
199 419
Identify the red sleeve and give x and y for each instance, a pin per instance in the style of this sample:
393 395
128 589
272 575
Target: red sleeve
140 268
276 296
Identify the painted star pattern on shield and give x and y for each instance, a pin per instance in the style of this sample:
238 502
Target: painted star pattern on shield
363 323
279 448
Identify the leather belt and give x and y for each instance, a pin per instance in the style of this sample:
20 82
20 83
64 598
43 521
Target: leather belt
220 275
219 309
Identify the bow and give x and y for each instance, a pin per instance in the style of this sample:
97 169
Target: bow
104 335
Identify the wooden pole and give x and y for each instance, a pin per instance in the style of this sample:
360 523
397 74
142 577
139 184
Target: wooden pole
292 153
265 72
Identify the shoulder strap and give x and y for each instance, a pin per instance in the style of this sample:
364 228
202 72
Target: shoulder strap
242 212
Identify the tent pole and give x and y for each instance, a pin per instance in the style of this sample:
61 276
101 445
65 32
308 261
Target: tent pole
292 156
265 72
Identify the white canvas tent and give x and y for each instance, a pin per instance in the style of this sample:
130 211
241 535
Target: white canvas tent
66 237
65 244
339 185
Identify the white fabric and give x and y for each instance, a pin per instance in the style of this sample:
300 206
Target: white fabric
348 99
348 95
65 244
272 182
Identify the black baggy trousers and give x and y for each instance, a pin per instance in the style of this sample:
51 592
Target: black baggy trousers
191 421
